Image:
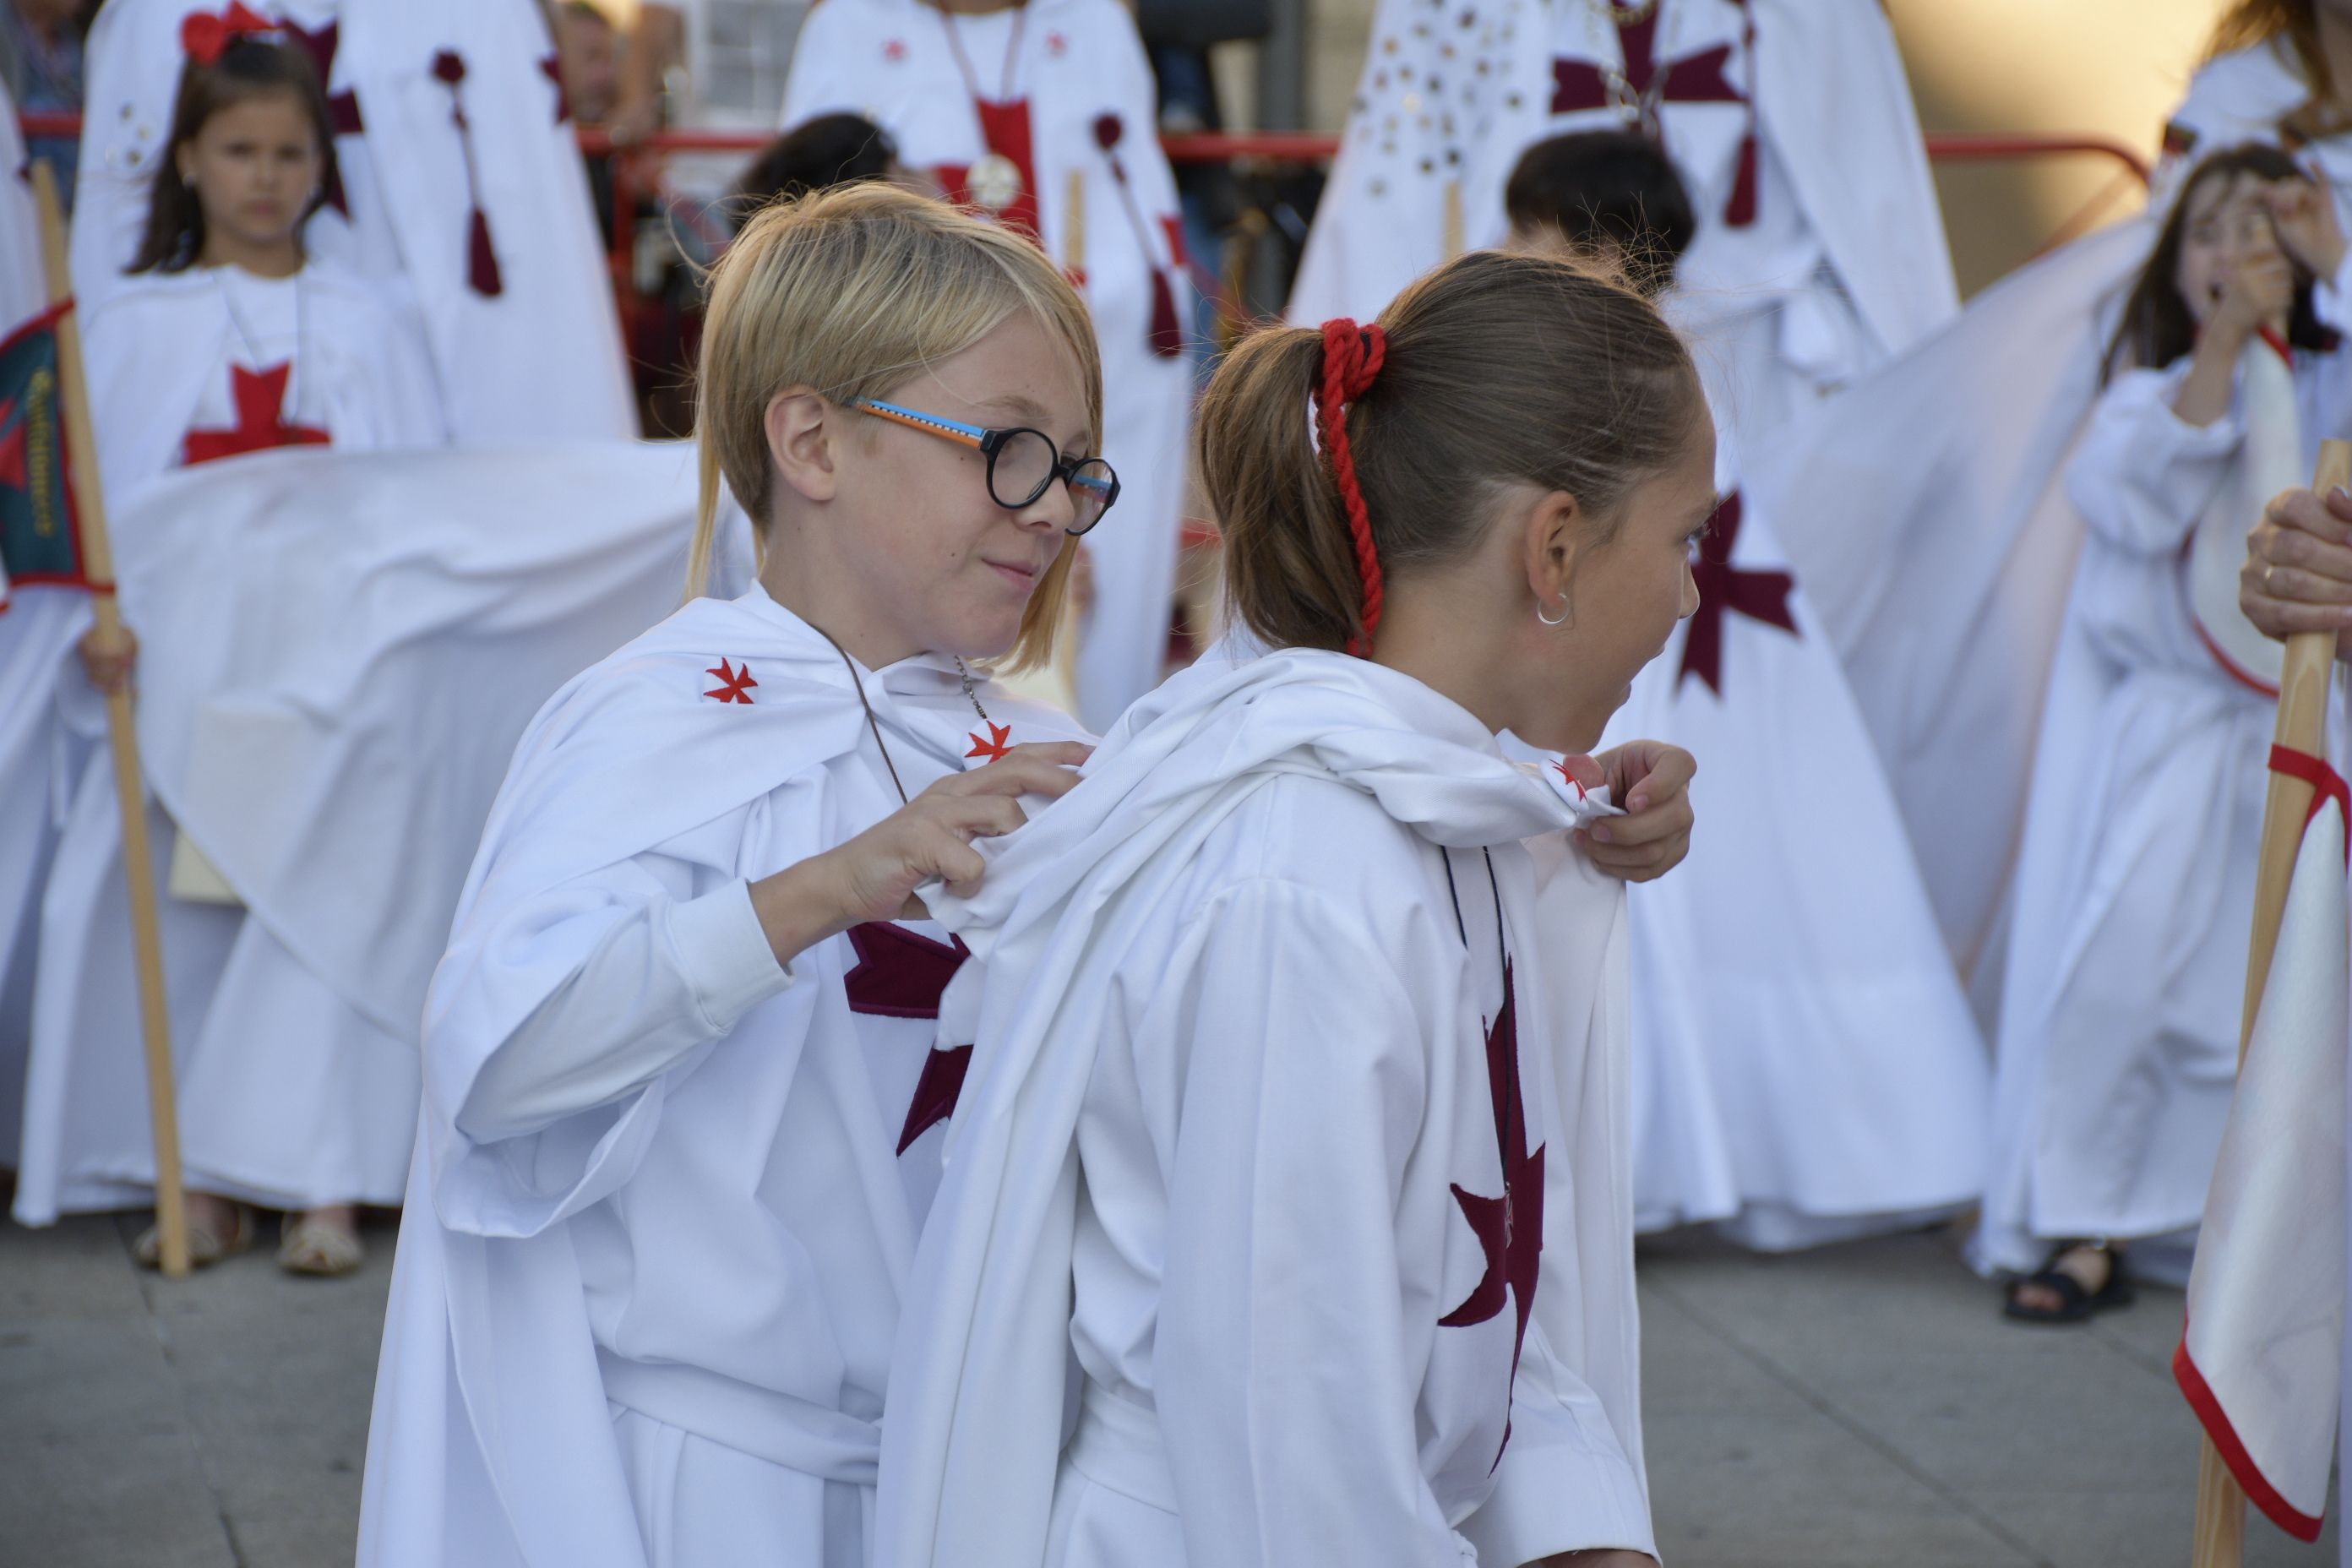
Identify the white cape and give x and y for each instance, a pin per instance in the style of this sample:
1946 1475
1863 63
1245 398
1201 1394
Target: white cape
380 608
971 1446
493 1440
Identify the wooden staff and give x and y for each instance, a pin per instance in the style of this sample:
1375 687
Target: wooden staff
1454 243
138 863
2301 727
1073 229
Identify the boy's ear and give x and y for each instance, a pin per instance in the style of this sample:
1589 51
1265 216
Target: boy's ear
803 428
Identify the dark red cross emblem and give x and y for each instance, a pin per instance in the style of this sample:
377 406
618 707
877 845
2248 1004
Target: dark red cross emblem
1693 79
1509 1228
259 396
902 974
735 682
1723 589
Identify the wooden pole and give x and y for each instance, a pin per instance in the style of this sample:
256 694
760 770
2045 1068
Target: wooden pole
98 567
1454 242
2220 1539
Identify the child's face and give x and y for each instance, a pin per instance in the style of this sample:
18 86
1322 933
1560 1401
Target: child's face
2228 225
255 167
930 549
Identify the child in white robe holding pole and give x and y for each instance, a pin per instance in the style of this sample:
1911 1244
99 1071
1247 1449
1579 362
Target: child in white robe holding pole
227 339
1297 1107
2136 884
1042 114
683 1080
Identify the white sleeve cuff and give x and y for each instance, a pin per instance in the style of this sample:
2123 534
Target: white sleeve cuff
723 954
2331 298
1554 1498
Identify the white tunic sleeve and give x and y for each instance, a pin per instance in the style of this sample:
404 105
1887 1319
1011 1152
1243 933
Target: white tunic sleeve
1286 1395
2144 475
653 982
1565 1483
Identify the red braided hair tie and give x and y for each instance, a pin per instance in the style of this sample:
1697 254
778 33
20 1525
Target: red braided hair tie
1352 356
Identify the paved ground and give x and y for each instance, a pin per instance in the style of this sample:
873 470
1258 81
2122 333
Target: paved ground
1858 1406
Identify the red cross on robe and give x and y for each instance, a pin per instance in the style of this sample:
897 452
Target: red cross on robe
259 396
1723 589
902 974
1580 85
1510 1228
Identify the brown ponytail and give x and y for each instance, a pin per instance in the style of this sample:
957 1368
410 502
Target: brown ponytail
1496 370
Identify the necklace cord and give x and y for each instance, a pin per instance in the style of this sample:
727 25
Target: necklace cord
871 722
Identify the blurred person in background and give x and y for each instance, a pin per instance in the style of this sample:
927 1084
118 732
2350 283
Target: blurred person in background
40 65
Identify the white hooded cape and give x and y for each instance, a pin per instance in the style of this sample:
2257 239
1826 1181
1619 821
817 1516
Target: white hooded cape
1068 931
1076 61
750 1183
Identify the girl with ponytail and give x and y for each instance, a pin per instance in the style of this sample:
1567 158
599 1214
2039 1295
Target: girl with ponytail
684 1085
1296 1108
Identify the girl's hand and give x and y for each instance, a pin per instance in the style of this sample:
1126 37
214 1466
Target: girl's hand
1652 780
873 876
2257 292
2302 212
107 656
2298 572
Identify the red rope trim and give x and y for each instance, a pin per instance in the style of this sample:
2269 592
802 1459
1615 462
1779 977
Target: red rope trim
1352 357
2226 1442
2325 783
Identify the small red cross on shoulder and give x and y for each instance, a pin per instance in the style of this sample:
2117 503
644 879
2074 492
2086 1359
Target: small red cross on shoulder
895 51
1057 44
998 741
735 683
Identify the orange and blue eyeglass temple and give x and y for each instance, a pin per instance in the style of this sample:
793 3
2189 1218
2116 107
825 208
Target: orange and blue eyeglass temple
976 436
973 435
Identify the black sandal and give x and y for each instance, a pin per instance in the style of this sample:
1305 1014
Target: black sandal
2076 1304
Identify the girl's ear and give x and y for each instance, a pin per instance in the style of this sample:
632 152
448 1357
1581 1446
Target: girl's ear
803 427
1552 540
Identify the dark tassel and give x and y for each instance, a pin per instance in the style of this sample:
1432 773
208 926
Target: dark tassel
481 261
1740 210
1166 335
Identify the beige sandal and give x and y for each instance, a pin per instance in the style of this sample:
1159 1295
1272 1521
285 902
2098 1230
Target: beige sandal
206 1246
322 1251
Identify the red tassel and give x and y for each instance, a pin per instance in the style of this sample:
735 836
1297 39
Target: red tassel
1740 210
1166 334
481 261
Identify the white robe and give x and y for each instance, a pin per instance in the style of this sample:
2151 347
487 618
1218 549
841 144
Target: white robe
1076 60
1241 1088
659 1223
2127 967
1844 265
1806 1068
541 360
288 1095
1926 511
39 625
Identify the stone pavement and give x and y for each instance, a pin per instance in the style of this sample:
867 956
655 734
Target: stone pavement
1861 1405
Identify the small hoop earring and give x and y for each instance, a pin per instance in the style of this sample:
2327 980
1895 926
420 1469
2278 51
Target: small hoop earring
1566 613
